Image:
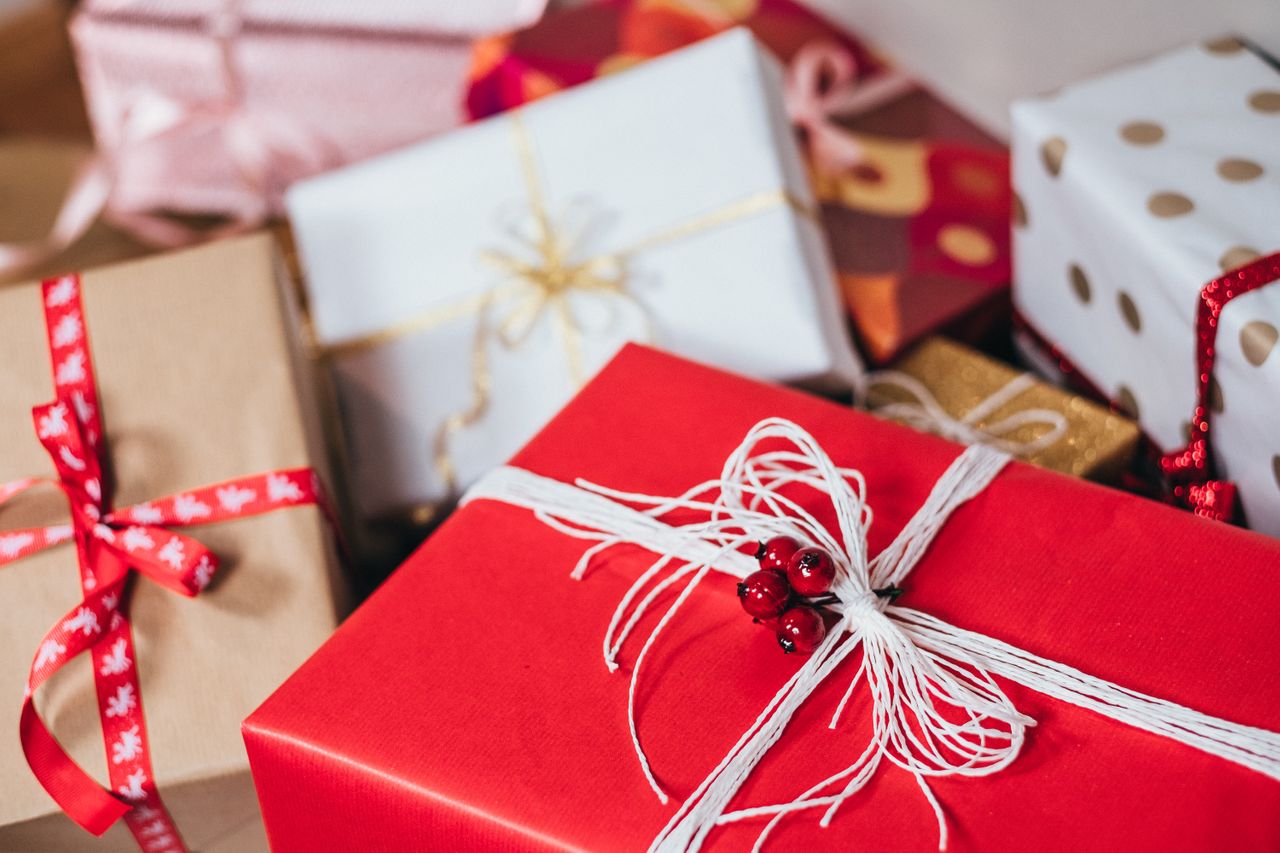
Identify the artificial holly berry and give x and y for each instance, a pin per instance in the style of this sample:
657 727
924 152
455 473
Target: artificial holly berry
801 629
776 553
811 571
764 594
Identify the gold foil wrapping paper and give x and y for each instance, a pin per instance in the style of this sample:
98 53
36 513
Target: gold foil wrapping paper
1098 444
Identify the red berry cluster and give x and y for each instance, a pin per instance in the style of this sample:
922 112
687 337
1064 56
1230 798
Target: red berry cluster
780 594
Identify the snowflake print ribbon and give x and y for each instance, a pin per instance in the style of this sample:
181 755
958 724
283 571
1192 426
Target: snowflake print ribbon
110 544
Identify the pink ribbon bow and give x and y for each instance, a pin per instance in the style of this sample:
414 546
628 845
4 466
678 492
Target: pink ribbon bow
269 151
824 82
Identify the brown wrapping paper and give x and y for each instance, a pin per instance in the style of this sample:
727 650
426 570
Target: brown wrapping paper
1098 445
200 380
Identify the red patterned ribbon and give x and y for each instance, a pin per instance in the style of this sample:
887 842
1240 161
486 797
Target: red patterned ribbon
109 544
1189 472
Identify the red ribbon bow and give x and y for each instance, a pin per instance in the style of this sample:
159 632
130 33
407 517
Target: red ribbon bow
109 545
1189 472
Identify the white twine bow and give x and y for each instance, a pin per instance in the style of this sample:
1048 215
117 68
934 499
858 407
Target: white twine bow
925 413
937 709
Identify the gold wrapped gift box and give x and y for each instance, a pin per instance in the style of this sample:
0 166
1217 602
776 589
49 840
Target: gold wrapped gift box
1097 444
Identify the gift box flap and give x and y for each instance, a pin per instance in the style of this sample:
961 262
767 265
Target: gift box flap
468 699
486 17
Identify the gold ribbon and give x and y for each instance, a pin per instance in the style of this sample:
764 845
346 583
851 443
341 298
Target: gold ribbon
543 286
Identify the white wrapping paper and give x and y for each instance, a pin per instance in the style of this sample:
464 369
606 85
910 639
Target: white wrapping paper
618 161
1138 188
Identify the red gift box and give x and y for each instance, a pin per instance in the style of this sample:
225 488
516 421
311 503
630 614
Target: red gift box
465 706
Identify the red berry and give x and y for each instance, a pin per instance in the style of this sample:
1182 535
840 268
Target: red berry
811 572
776 553
764 594
801 629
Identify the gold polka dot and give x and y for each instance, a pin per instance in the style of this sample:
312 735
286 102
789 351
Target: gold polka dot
1238 169
1216 401
1224 46
1169 204
1051 153
966 244
1275 469
1127 402
1265 101
1257 340
1019 212
1129 310
1080 284
1142 133
1237 256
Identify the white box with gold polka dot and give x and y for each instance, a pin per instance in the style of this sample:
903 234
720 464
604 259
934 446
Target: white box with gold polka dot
1134 190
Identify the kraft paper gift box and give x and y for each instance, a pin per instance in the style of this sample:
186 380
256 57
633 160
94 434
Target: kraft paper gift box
918 227
300 87
1136 190
502 262
1061 431
200 381
492 722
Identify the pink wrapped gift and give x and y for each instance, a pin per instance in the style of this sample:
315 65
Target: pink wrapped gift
215 106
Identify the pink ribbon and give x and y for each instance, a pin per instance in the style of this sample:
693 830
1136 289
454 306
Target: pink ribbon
823 83
269 152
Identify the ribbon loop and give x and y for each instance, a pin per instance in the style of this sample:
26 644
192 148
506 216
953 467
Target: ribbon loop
824 82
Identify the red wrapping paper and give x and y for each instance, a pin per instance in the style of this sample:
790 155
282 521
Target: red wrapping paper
466 706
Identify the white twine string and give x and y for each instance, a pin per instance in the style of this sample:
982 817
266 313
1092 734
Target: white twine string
937 710
925 413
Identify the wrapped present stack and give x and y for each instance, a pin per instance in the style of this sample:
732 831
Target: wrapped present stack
629 424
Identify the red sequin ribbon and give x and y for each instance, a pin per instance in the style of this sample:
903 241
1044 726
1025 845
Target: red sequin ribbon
110 544
1189 472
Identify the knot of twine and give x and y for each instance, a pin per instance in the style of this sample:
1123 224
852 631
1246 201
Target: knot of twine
937 710
924 413
542 275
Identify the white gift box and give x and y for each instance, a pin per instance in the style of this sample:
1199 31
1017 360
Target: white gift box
688 160
1138 189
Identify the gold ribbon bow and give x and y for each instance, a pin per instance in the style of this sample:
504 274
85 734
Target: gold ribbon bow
542 285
